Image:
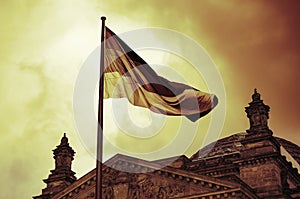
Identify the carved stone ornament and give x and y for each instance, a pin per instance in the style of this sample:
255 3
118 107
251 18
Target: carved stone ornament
146 188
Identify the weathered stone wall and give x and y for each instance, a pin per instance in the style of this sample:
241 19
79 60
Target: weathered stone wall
264 178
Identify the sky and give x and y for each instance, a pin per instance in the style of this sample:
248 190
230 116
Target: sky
44 44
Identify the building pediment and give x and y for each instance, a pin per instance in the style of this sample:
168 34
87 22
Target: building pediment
128 177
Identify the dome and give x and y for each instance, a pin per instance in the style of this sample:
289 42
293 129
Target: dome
232 144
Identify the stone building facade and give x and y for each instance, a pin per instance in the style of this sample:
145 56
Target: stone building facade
247 165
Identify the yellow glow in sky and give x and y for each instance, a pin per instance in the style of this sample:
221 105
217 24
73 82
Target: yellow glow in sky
44 44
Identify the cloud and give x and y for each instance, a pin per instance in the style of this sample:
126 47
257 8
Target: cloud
43 44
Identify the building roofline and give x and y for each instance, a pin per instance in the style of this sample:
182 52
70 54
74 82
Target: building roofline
90 178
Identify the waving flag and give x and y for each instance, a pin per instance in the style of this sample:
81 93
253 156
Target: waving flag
127 75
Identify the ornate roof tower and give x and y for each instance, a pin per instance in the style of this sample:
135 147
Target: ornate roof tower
258 114
62 176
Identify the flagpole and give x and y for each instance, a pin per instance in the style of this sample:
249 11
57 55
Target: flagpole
99 176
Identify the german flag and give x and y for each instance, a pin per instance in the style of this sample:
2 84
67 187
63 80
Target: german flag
127 75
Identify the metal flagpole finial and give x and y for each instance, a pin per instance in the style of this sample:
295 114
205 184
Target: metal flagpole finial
103 18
